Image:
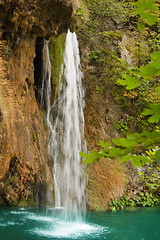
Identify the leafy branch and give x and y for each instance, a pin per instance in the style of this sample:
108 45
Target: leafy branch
137 143
147 10
123 147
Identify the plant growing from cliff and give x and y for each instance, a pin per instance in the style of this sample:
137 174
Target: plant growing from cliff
79 11
133 147
94 55
146 9
122 126
142 199
151 177
35 137
152 181
98 90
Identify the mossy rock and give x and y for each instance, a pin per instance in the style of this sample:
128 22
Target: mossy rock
56 49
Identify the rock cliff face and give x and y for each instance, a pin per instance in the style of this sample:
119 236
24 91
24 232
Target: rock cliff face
21 19
25 168
104 60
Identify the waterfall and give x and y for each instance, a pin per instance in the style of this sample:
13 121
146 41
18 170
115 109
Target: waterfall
66 122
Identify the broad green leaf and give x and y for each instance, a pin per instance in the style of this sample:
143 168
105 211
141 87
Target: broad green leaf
90 158
136 162
154 118
155 55
145 159
125 158
152 68
154 110
141 26
139 160
158 89
124 142
146 138
150 18
148 70
104 152
156 157
136 136
141 5
85 155
118 152
156 65
129 82
153 138
150 138
139 137
145 5
151 5
147 9
103 144
141 174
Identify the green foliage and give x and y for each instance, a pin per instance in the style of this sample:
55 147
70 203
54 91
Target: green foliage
142 77
79 11
56 49
94 55
103 8
111 35
132 147
151 177
92 157
129 82
122 126
155 43
119 203
147 72
35 137
146 9
152 180
143 199
123 147
154 111
147 199
152 69
26 203
98 90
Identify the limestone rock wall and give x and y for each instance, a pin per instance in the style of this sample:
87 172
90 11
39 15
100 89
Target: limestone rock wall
25 167
31 18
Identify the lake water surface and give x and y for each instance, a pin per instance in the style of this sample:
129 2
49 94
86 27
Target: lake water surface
38 224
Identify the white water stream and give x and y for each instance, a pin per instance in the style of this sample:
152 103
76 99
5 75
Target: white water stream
66 122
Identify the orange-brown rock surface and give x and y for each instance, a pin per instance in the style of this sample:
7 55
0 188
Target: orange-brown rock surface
28 18
25 168
107 179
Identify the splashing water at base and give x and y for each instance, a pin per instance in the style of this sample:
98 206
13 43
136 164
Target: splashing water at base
37 224
71 230
66 121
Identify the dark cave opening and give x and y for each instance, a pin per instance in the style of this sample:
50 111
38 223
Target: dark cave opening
38 67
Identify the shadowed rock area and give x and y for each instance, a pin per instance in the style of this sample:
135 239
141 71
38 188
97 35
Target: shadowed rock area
34 18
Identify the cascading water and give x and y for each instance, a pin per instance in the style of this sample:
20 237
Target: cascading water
66 121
